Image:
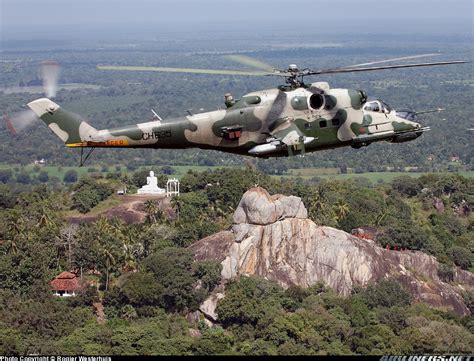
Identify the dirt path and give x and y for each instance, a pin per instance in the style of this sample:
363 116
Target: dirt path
132 210
99 311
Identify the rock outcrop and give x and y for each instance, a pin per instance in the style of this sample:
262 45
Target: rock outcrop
272 237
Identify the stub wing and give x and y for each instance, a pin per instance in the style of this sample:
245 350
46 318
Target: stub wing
290 138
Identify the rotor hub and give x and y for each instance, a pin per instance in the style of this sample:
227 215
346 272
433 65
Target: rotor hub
293 68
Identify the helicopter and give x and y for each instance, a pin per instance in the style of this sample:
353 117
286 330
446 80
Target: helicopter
290 119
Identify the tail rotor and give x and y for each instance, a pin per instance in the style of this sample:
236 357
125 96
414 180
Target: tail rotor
23 119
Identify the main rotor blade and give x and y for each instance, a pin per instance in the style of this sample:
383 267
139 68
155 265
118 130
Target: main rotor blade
181 70
393 59
247 60
398 66
50 75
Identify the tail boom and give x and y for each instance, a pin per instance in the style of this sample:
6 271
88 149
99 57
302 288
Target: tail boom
69 127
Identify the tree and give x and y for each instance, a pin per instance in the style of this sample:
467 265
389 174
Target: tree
10 341
408 186
385 293
43 177
469 300
358 311
88 193
67 241
248 300
109 262
394 317
5 175
209 272
379 340
152 209
461 257
85 200
110 240
405 235
128 312
446 272
341 209
139 177
141 289
436 337
172 268
70 176
23 178
7 198
167 170
191 206
214 341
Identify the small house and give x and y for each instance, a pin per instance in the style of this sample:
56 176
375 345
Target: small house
66 284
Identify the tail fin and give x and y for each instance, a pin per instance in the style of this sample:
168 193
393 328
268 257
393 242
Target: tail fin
70 127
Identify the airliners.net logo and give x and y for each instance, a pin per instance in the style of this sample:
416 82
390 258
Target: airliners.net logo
427 358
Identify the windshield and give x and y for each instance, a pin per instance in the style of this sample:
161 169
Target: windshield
406 114
377 106
373 106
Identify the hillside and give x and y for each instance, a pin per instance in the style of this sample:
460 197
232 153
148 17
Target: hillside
130 210
272 237
238 271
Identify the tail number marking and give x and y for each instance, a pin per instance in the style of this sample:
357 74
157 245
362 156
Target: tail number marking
157 134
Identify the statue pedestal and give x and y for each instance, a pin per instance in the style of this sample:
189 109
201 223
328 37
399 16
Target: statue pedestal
151 186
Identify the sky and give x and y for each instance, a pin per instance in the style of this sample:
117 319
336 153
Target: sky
30 18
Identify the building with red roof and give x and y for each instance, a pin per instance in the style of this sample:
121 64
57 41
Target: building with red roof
65 285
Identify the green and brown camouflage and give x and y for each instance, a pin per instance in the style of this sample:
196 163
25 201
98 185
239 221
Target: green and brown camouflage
268 123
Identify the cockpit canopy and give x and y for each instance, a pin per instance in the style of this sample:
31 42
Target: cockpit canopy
407 114
377 106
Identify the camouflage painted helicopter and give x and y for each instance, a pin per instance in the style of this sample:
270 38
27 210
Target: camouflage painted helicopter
291 119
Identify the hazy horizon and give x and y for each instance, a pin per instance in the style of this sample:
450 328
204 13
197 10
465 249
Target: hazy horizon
56 19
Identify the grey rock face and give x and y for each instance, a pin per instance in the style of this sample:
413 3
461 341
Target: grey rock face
273 238
208 307
259 208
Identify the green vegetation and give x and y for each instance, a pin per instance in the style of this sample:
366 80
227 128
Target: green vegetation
150 284
122 98
417 195
88 193
375 177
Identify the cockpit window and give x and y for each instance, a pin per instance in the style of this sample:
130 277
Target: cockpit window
406 114
377 106
372 106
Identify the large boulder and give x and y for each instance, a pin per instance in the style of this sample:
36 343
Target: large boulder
258 207
273 238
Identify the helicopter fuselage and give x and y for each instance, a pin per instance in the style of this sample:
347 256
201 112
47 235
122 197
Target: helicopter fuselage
268 123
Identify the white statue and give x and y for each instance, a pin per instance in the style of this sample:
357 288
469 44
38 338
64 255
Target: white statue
151 186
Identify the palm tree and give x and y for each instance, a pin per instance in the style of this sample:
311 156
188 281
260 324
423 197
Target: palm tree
132 249
384 211
177 204
109 262
341 208
103 226
108 236
11 246
152 209
17 232
130 261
